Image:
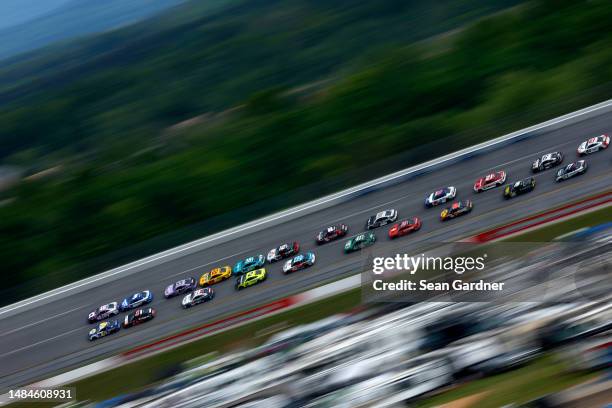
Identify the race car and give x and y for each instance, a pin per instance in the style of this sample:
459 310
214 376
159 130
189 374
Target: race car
283 251
104 329
249 264
299 262
180 287
136 300
547 161
440 196
381 218
359 242
456 209
198 296
139 316
405 227
490 181
519 187
571 170
216 275
104 312
251 278
593 145
331 233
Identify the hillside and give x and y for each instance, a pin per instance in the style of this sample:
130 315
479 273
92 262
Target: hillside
76 18
159 72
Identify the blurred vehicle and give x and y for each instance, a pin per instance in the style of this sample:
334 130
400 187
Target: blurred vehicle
571 170
104 312
440 196
251 278
405 227
299 262
283 251
249 264
456 209
359 242
519 187
468 354
332 233
567 330
381 218
216 275
138 316
180 287
104 329
198 296
547 161
593 145
136 300
489 181
591 353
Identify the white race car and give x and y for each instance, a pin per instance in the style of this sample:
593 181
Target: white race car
441 196
593 145
571 170
547 161
104 312
381 218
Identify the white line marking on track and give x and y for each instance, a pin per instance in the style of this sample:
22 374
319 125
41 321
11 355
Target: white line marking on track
40 342
40 321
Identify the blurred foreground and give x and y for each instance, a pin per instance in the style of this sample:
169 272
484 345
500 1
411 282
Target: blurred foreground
390 354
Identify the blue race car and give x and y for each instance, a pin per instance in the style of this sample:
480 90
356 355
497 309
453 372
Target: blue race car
249 264
104 329
136 300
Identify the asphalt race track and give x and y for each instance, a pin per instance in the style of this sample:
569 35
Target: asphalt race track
48 339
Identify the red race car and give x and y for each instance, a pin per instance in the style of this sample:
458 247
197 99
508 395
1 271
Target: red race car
490 181
405 227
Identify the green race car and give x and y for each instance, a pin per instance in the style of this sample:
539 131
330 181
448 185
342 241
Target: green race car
251 278
359 242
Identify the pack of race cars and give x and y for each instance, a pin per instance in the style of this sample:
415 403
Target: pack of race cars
251 270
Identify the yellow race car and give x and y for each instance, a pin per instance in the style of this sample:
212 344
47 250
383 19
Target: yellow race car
216 275
251 278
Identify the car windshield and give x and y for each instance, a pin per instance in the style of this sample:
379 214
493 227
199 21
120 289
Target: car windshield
298 258
440 193
570 167
490 177
283 247
136 296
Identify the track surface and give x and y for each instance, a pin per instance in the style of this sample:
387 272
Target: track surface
48 339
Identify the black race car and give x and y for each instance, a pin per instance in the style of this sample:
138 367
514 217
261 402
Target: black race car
139 316
519 187
547 161
331 233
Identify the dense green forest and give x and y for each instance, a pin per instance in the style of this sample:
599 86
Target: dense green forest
130 83
541 59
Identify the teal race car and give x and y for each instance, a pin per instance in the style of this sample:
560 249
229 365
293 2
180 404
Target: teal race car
249 264
359 242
